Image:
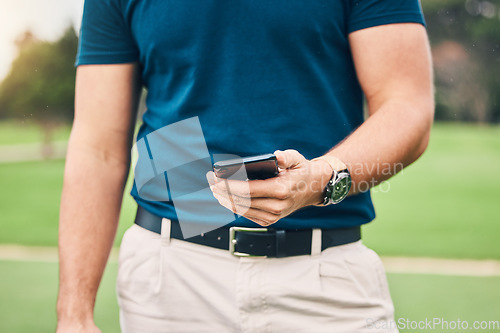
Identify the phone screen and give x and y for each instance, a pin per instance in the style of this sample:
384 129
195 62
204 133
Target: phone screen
256 167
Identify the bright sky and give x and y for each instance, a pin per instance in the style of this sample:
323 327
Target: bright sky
47 19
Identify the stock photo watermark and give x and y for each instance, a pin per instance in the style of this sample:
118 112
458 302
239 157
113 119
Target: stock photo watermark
356 169
433 324
170 165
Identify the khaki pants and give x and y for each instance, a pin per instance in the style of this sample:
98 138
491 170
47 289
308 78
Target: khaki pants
174 286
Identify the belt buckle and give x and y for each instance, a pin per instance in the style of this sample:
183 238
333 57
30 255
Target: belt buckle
232 240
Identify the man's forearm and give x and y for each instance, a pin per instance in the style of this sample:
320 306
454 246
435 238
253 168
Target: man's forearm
90 206
392 138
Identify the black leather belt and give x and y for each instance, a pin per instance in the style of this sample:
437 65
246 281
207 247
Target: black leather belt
244 242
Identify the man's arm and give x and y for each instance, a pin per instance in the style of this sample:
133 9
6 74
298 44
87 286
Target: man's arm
393 65
97 165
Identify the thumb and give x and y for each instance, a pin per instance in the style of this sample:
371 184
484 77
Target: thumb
289 158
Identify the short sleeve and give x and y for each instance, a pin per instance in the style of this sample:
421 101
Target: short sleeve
105 38
369 13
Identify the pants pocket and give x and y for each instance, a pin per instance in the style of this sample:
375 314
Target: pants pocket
355 275
139 267
378 266
346 280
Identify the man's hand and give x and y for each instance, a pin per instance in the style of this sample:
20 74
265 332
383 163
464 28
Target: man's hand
300 183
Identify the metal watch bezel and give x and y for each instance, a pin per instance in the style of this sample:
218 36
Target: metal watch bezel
331 196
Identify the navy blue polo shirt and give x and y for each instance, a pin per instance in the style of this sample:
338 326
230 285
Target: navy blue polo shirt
260 75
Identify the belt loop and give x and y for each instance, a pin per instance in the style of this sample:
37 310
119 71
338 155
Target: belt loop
165 231
316 242
280 244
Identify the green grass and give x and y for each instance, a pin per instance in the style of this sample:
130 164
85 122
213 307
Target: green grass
419 297
446 205
17 132
28 297
29 203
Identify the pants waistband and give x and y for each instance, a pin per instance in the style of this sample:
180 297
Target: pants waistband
266 242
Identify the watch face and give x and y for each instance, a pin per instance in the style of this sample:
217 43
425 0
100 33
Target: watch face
341 188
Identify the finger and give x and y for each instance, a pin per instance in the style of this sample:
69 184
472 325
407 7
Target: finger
259 222
264 218
210 178
270 188
261 217
271 205
237 200
289 158
237 187
246 211
228 203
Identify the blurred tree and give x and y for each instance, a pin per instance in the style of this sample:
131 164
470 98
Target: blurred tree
25 39
465 35
41 83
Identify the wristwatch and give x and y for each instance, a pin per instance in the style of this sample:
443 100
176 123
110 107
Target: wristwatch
339 185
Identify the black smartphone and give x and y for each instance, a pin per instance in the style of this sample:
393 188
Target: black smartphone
256 167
